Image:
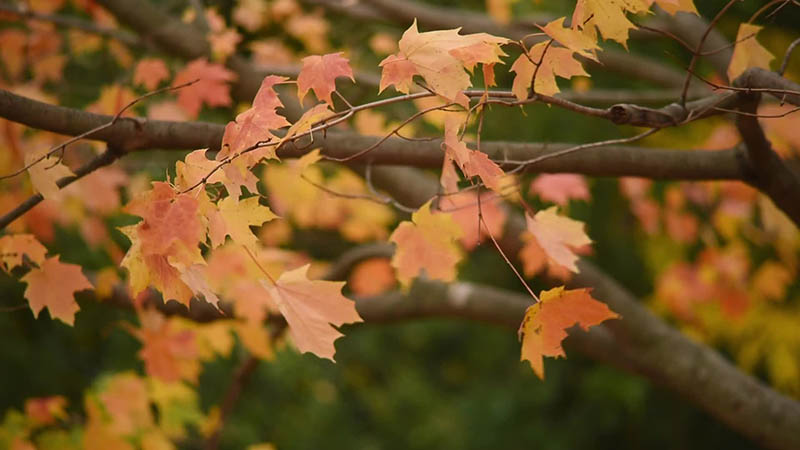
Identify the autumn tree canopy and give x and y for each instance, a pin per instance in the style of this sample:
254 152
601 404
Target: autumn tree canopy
222 182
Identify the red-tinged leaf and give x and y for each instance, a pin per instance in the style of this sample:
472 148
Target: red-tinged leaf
319 73
546 322
150 72
560 188
471 162
312 308
45 410
169 352
534 260
558 236
14 246
463 207
426 244
398 72
152 270
748 52
169 218
256 124
442 58
212 89
53 285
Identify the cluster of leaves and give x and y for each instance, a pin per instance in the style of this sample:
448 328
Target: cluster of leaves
196 240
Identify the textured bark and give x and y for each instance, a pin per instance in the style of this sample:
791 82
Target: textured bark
137 134
652 348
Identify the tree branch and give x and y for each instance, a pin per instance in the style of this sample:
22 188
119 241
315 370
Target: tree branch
107 157
772 175
136 134
655 349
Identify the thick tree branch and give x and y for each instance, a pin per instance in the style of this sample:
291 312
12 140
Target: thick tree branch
759 80
135 134
655 349
772 175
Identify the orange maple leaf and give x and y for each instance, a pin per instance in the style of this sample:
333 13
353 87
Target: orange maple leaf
427 243
169 352
212 89
312 308
53 285
463 206
255 124
558 236
546 322
319 73
471 162
150 72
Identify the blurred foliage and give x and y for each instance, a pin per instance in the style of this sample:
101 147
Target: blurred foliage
432 384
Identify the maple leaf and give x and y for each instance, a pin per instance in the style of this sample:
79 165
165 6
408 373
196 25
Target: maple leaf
534 259
14 246
571 38
53 285
427 243
235 218
674 6
546 322
561 187
463 206
196 167
309 118
169 218
125 400
169 352
372 277
557 61
212 89
152 270
150 72
442 58
319 73
45 173
748 52
472 162
251 127
312 308
558 235
609 16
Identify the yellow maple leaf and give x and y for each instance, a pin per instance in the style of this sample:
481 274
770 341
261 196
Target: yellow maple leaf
748 52
427 243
